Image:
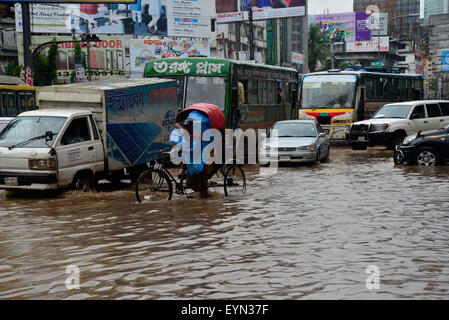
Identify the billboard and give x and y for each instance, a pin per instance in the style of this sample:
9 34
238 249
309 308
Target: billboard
107 56
237 10
145 17
369 46
143 50
347 27
297 58
445 60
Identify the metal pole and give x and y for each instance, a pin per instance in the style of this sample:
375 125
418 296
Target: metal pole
251 32
88 52
27 58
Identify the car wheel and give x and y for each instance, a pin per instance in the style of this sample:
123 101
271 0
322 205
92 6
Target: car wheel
326 158
84 182
426 156
318 155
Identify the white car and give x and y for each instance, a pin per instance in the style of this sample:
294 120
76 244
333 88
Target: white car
4 122
393 122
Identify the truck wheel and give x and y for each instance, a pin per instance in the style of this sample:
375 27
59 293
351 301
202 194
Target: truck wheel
360 146
84 182
426 156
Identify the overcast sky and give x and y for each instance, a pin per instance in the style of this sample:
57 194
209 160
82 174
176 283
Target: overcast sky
334 6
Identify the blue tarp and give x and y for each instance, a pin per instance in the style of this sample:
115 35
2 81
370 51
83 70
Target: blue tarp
195 164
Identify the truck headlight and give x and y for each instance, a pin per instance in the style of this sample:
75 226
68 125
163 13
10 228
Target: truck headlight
42 164
379 128
409 139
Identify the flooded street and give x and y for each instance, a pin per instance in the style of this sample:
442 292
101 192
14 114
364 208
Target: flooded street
308 232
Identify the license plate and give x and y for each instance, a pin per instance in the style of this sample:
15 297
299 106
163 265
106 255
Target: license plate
361 138
11 181
284 158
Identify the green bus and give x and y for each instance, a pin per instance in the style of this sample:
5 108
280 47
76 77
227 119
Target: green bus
269 93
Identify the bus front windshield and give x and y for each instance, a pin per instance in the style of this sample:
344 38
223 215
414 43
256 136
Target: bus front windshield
329 92
206 89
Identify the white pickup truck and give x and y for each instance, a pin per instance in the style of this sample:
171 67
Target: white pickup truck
84 132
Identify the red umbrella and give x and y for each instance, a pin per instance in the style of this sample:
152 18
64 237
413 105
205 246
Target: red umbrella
215 115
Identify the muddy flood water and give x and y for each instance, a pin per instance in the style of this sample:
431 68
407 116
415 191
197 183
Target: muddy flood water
308 232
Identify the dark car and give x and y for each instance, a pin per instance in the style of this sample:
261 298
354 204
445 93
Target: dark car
428 148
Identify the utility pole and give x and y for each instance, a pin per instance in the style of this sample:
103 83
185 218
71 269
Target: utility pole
251 31
88 52
27 59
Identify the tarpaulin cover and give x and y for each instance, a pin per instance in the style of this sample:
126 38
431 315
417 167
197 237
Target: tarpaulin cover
215 115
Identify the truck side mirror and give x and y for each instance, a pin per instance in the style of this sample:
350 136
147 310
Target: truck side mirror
48 135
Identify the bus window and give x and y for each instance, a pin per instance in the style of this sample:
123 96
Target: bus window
378 89
252 92
395 90
418 90
30 102
410 92
260 91
22 102
206 89
370 92
403 89
11 104
2 105
271 92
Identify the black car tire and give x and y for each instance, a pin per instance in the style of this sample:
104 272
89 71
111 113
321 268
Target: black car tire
426 156
326 158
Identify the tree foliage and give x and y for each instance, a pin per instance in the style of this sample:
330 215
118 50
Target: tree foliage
45 68
318 50
13 70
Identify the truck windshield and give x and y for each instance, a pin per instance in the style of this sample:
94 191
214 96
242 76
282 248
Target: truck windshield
22 129
329 92
206 89
393 111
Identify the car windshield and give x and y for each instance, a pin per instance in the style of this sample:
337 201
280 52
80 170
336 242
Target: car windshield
328 92
206 89
22 129
295 130
395 111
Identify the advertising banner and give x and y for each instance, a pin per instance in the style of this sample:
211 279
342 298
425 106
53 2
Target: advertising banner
347 27
369 46
445 60
145 17
143 50
297 58
107 56
237 10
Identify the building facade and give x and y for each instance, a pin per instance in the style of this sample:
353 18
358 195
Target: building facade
400 28
432 7
439 55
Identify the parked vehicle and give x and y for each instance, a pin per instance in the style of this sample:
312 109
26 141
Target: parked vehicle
4 122
428 148
87 131
393 122
297 141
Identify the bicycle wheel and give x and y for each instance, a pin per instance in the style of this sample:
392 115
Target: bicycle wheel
234 181
153 185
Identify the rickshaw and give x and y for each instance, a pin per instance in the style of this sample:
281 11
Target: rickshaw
227 177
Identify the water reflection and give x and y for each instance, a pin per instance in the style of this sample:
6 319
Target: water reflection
308 232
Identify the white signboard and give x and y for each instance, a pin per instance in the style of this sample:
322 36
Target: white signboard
297 58
178 18
369 46
143 50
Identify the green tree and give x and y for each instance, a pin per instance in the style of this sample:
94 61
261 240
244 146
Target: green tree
13 70
45 68
318 50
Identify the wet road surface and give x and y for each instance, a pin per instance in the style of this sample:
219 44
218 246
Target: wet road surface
308 232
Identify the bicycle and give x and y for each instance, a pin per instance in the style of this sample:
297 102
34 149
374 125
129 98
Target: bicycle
156 183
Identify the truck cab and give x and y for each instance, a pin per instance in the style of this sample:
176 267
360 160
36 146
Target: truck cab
51 149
